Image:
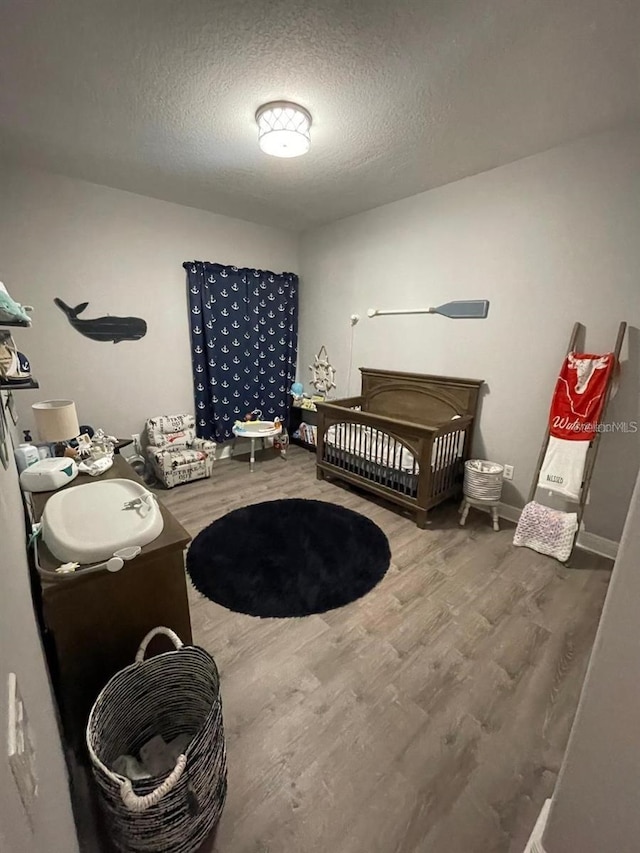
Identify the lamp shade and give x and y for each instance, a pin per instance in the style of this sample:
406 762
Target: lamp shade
56 420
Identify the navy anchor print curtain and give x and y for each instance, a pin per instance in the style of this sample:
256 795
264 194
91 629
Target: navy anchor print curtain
244 336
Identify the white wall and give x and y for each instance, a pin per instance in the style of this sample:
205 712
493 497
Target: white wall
21 652
122 253
595 803
549 240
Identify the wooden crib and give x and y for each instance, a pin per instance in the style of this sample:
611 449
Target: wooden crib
405 438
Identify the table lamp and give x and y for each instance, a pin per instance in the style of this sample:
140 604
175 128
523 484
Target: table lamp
56 421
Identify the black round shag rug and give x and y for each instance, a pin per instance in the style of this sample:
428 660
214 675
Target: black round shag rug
288 558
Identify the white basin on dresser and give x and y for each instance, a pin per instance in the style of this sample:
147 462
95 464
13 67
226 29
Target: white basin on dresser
92 522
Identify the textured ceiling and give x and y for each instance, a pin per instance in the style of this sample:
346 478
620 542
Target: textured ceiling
158 96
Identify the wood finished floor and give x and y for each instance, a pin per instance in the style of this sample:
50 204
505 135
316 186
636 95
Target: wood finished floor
430 716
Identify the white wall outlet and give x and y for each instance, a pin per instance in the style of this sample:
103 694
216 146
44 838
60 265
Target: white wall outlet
21 748
508 472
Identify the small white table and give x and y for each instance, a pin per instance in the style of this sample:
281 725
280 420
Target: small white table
267 429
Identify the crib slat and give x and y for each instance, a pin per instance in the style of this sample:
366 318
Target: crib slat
386 447
445 462
459 450
362 443
454 454
414 472
439 454
453 437
388 474
452 458
442 462
433 467
367 451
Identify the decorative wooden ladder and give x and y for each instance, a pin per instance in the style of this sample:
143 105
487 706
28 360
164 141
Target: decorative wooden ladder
578 333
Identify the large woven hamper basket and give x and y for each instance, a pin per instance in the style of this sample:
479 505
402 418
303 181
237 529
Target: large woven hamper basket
169 695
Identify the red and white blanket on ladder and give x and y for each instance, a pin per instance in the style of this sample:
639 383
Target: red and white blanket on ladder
576 409
575 413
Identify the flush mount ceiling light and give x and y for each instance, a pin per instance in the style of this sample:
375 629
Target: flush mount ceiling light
283 129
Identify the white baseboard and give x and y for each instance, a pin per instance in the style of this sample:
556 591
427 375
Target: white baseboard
534 845
225 450
509 513
587 541
598 544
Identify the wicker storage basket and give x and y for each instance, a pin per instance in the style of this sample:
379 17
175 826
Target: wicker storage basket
171 694
483 480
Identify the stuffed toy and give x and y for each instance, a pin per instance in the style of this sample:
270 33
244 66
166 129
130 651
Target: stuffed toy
10 310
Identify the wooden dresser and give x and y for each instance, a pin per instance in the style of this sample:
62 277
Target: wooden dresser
93 624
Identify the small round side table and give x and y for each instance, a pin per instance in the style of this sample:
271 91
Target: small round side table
252 431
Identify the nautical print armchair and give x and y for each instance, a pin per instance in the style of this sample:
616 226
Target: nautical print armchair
175 453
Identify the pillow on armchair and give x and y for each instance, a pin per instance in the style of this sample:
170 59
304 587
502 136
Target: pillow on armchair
175 453
173 430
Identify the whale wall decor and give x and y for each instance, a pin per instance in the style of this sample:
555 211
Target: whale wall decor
107 328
